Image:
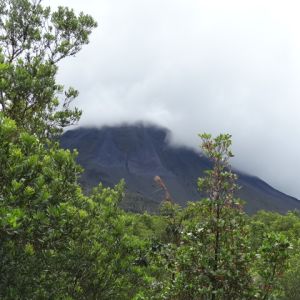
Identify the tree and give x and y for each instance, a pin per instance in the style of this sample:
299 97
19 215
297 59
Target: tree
212 257
32 42
56 242
39 211
263 226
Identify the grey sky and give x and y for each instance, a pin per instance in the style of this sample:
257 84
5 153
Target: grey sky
194 66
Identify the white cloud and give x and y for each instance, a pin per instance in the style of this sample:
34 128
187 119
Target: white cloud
194 66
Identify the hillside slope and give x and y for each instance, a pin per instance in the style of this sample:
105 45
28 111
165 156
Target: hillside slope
138 153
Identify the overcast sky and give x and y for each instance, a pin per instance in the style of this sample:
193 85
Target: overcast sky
194 66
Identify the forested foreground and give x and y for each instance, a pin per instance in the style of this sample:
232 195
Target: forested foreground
58 243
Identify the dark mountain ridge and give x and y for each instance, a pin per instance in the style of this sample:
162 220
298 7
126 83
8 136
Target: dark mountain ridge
138 153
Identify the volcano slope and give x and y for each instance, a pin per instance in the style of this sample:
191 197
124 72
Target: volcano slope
138 153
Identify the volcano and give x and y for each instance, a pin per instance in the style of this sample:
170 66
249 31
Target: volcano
139 153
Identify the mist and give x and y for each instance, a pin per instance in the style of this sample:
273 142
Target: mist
197 66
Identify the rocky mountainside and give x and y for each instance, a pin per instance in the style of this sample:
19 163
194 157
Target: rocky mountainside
138 153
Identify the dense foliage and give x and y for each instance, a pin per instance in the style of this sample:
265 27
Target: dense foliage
32 41
58 243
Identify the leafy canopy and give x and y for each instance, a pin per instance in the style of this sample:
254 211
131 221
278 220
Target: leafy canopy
32 42
56 242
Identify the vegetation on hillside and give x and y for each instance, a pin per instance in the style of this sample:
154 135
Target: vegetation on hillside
58 243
